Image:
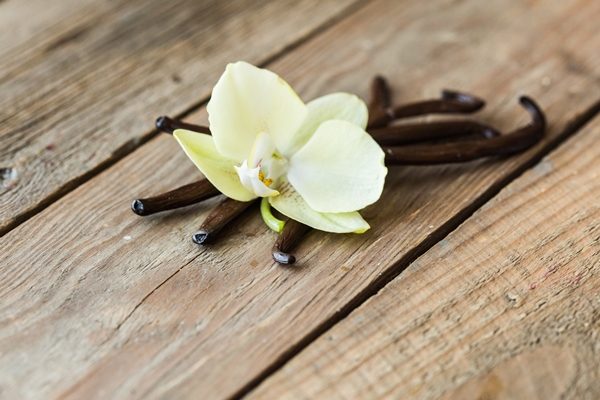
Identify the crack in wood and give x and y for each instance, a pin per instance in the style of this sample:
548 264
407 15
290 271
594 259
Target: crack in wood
72 36
116 330
8 177
143 300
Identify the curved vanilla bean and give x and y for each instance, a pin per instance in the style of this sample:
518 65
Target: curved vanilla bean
227 210
451 102
287 240
533 132
168 125
413 133
519 140
180 197
380 113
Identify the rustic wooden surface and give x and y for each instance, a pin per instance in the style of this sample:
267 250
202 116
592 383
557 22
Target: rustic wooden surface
507 306
83 81
97 302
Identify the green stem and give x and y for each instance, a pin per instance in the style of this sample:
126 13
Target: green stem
272 222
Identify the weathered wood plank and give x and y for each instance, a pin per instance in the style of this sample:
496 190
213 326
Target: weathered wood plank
82 82
128 307
505 307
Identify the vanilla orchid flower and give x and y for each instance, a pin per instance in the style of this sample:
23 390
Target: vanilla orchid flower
313 162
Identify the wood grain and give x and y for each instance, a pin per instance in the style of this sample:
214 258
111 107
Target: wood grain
543 373
82 82
505 307
99 302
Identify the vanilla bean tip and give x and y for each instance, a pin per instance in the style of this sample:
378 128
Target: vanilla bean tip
138 207
201 237
164 124
380 80
476 102
284 258
528 103
536 112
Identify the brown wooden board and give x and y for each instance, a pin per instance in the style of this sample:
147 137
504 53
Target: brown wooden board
505 307
81 82
97 301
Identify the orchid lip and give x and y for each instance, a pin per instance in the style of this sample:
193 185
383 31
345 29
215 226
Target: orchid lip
251 179
263 167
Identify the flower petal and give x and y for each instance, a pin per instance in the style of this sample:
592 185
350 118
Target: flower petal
248 100
291 204
220 171
344 106
340 169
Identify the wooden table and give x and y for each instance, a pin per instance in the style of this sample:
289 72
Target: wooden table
477 280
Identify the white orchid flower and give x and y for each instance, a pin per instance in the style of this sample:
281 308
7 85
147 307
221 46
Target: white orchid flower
313 162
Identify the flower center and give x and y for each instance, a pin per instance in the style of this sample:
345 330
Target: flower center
266 181
263 167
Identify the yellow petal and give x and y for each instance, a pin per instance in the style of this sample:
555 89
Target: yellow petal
340 169
220 171
291 204
248 100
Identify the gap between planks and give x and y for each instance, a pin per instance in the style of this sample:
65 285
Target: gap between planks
572 128
531 260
